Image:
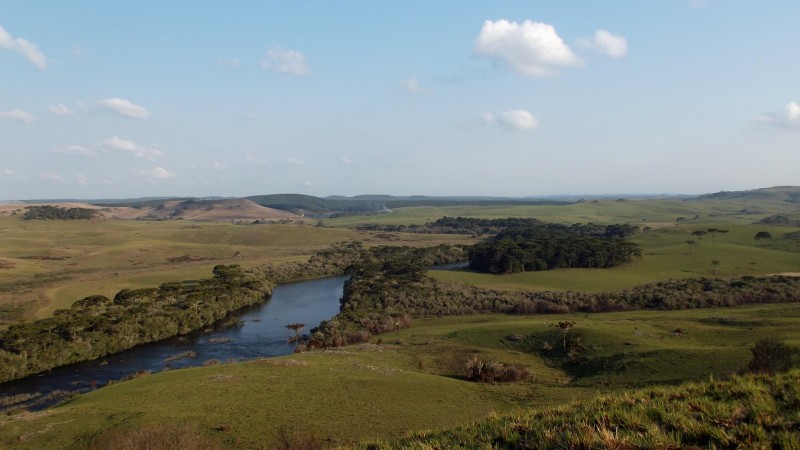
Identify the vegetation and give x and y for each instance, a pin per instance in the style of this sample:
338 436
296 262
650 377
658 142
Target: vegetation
97 326
771 355
756 411
48 212
553 246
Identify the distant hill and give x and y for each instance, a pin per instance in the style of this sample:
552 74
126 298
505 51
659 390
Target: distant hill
789 194
214 210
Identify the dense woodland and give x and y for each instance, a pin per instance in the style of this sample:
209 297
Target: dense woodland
48 212
552 246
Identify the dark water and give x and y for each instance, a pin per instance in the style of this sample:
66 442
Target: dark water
263 333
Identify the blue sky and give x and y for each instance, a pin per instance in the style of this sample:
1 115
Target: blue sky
506 98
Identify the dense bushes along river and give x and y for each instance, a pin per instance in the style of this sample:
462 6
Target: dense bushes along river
97 326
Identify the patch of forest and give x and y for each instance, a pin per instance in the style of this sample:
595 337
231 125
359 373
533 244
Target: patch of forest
383 296
47 212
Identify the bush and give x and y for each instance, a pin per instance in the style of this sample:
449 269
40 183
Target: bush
771 355
494 372
154 436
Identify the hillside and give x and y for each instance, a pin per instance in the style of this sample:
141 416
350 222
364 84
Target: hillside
790 194
215 210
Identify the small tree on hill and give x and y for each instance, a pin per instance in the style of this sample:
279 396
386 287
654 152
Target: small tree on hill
565 326
762 235
691 245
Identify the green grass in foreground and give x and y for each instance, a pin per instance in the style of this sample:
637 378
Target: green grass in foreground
414 380
745 412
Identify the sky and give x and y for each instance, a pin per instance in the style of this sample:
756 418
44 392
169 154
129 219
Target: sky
106 99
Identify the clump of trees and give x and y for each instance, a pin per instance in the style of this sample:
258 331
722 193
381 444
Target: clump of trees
48 212
495 372
554 246
97 326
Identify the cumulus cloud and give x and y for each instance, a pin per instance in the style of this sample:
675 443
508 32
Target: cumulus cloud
18 115
82 180
157 173
117 144
28 50
789 118
606 43
514 120
75 150
285 61
59 109
530 48
52 176
412 86
296 161
124 108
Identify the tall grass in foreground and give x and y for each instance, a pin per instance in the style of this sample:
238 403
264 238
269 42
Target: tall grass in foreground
754 411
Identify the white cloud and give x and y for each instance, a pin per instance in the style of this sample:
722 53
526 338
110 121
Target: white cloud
607 43
157 173
82 180
124 108
24 48
75 150
217 166
228 62
52 176
59 109
137 150
412 86
286 61
296 161
308 183
18 115
789 118
514 120
346 160
530 48
15 175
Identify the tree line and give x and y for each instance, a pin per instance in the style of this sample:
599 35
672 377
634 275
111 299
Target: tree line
48 212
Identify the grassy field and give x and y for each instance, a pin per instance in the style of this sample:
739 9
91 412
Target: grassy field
46 265
414 379
665 255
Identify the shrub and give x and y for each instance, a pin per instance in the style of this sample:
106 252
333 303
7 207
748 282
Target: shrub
771 355
494 372
154 436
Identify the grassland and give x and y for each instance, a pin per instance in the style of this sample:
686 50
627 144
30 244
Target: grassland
414 379
47 265
666 255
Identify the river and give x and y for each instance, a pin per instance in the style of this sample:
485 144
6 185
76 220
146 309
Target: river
260 332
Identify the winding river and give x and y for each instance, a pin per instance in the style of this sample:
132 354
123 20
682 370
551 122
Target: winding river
260 332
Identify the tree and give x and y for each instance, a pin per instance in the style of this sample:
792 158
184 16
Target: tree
762 235
565 326
691 245
715 265
296 327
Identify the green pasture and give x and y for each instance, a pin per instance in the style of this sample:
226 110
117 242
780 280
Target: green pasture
47 265
666 255
651 212
414 379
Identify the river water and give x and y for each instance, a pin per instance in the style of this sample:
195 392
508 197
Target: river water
261 332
